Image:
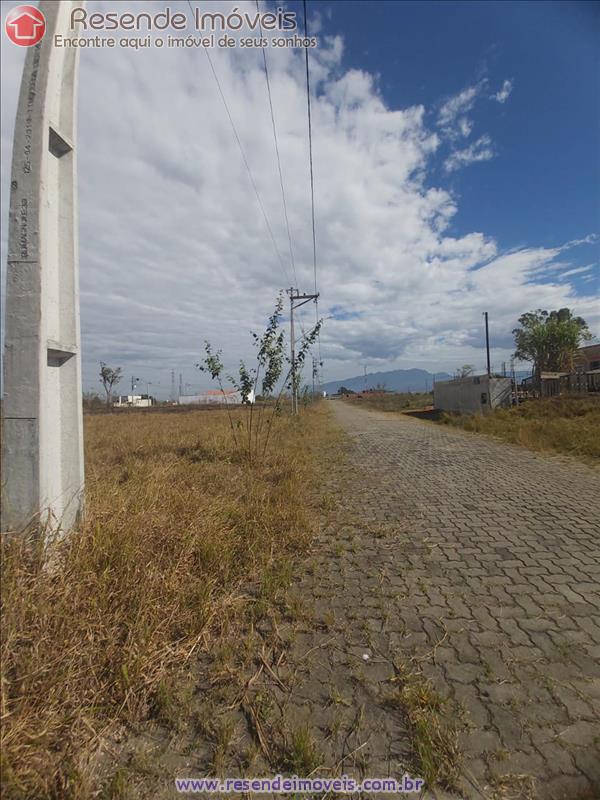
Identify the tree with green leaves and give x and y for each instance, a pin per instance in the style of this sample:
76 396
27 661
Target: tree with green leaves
109 378
270 359
549 339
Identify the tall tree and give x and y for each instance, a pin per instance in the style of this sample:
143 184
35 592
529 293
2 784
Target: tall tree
109 378
549 339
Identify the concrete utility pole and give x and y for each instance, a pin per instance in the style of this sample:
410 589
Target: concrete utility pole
42 443
295 297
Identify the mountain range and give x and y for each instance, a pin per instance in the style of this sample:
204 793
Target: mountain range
396 380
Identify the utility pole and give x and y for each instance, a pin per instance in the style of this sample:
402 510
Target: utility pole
42 436
514 380
180 384
487 343
296 300
173 397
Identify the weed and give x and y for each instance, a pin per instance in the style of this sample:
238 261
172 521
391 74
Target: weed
434 737
565 424
161 570
391 401
301 756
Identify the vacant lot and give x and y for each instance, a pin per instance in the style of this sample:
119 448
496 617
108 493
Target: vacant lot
391 401
560 424
183 539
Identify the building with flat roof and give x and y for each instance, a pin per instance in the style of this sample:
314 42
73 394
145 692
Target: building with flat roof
474 394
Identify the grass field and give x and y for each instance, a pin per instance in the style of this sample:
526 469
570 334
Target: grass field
566 424
183 537
391 401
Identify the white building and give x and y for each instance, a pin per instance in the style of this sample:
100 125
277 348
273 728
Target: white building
475 394
215 397
133 401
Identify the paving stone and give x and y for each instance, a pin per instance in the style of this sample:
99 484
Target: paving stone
490 587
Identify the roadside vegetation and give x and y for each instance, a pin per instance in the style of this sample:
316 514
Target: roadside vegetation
182 530
565 424
391 401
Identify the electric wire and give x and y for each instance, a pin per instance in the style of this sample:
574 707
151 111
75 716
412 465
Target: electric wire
243 154
275 139
312 180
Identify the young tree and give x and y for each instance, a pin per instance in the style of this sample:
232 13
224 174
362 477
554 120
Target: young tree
549 339
109 378
265 375
465 371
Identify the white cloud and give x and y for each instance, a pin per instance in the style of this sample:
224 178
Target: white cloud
173 247
504 92
576 271
454 109
481 150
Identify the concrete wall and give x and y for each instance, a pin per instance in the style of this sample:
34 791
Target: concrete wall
231 398
476 394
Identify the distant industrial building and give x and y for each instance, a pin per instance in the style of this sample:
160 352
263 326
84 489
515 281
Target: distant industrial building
133 401
215 397
474 394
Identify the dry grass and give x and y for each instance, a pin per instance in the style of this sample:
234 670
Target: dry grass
561 424
433 731
179 530
392 401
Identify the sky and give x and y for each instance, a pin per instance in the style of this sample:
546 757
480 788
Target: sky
456 170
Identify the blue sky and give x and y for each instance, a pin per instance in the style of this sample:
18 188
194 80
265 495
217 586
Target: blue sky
543 185
457 166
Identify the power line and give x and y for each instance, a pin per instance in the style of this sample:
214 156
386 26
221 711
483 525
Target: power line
245 160
312 180
285 213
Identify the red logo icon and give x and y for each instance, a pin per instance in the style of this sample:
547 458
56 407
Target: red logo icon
25 25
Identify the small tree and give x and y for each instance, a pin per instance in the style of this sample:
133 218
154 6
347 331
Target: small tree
270 359
465 371
549 339
109 378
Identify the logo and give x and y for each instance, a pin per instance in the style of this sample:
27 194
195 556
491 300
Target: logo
25 25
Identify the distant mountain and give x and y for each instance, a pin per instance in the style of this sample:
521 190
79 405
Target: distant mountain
396 380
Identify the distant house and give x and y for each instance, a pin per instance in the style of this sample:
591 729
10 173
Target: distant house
215 397
587 361
583 377
133 401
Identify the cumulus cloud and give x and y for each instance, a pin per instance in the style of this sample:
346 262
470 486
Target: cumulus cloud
174 248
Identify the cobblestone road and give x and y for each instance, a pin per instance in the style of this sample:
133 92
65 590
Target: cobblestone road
483 563
446 555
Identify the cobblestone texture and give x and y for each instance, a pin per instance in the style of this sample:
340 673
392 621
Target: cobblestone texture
482 561
471 560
